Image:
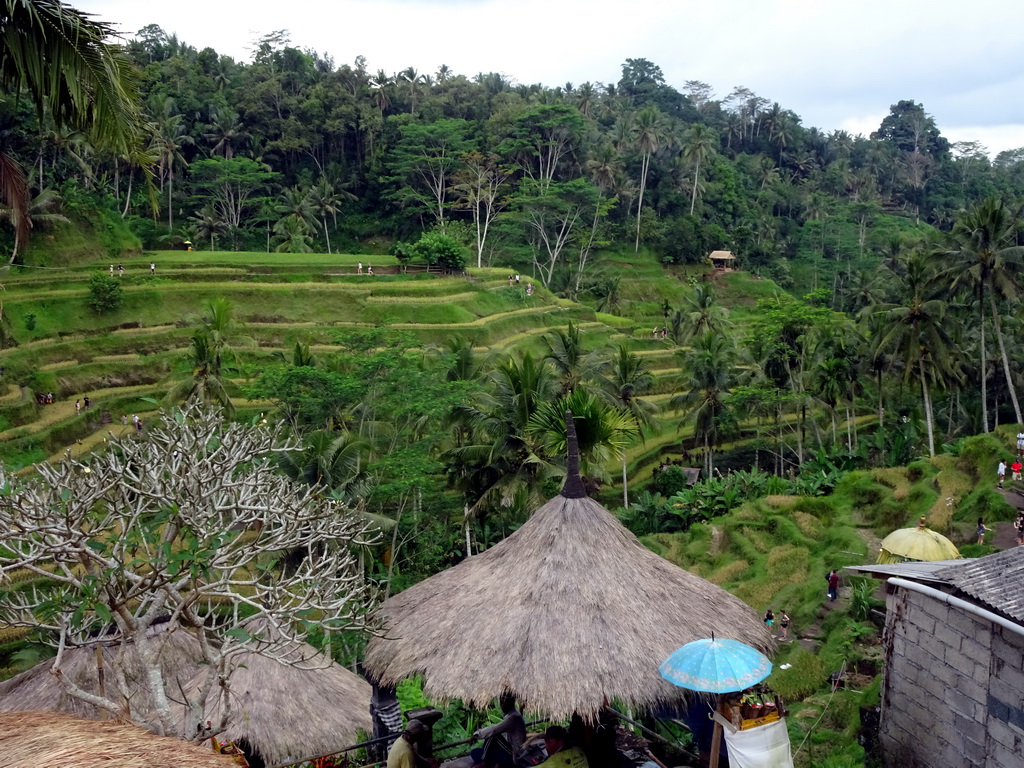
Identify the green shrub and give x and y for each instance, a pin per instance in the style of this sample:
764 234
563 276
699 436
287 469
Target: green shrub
439 250
105 294
30 321
806 673
980 454
670 480
986 503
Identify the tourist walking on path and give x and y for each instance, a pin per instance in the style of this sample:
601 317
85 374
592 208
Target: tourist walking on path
1001 472
769 619
833 585
78 407
1015 469
1019 528
980 533
784 624
1020 442
152 267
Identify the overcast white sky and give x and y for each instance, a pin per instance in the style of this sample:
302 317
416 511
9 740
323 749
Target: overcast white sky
836 63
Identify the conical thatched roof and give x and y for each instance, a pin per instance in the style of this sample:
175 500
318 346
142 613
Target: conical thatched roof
918 543
51 740
38 689
568 613
286 712
282 711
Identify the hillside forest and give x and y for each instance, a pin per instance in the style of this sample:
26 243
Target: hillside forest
537 249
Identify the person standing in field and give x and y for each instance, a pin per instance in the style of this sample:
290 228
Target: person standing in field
980 533
833 585
152 267
359 268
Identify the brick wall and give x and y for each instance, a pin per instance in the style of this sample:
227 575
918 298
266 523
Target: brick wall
953 693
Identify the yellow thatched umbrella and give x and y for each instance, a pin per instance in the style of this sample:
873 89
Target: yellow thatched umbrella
52 740
919 543
569 613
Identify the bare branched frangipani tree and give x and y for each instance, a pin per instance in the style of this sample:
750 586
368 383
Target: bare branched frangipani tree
182 530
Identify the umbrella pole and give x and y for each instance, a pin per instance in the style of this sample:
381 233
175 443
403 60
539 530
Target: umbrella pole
716 740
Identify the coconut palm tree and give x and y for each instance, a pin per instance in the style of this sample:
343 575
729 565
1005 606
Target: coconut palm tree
987 259
649 129
59 58
574 365
502 466
698 148
331 460
624 377
709 372
914 330
207 223
603 430
169 139
702 314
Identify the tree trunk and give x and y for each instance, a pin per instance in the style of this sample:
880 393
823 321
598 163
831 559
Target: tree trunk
625 487
693 197
1006 360
984 368
928 413
327 236
640 201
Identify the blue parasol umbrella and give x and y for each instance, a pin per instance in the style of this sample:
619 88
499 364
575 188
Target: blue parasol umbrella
716 666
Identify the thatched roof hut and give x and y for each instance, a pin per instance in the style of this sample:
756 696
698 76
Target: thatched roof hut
569 613
281 712
287 712
52 740
39 689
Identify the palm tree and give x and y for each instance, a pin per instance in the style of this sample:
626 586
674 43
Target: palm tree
331 460
324 200
650 132
169 139
502 466
225 134
43 211
698 148
603 430
623 377
709 371
564 350
207 222
914 330
58 57
702 314
987 259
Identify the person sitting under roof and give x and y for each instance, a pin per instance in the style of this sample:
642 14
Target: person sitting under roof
503 741
560 755
403 753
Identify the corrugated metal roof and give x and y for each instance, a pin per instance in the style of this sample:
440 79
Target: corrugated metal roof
996 580
930 571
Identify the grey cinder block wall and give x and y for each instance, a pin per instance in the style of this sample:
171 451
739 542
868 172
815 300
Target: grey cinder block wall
953 692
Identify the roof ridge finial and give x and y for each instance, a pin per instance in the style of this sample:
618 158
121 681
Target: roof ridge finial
573 488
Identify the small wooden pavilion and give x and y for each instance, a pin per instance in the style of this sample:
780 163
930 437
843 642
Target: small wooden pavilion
722 261
569 613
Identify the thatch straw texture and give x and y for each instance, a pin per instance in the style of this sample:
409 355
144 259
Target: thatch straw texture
568 613
287 712
51 740
38 689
